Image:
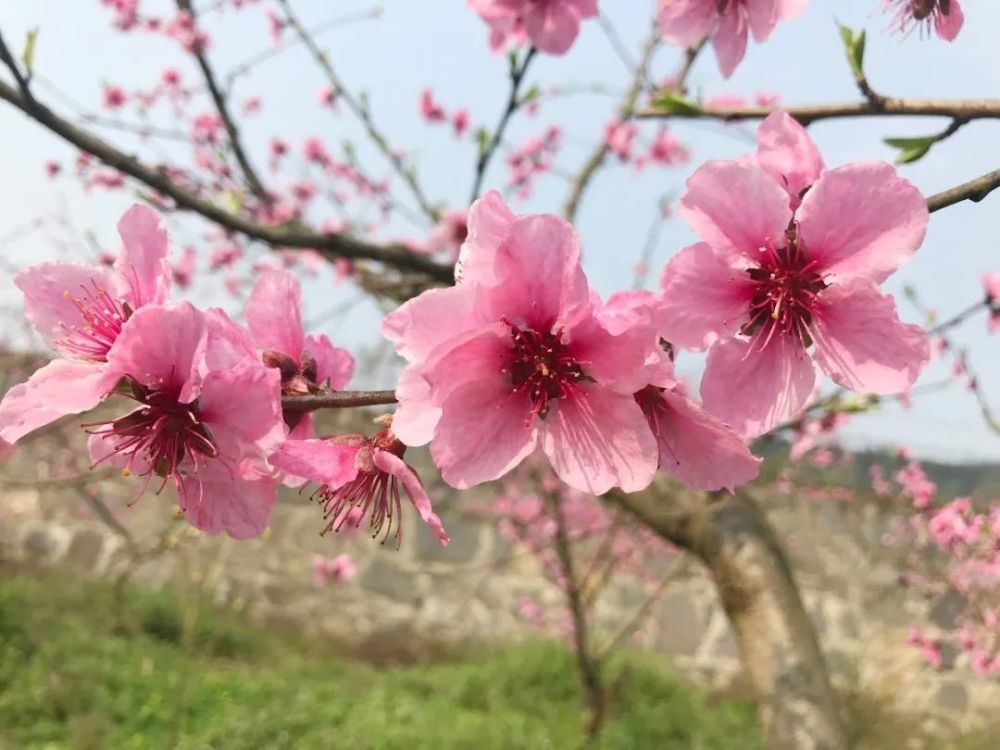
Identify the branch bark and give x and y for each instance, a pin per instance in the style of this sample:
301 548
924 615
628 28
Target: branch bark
969 109
337 400
973 190
587 666
777 643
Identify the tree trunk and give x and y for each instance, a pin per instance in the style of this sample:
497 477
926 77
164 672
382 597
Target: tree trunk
780 653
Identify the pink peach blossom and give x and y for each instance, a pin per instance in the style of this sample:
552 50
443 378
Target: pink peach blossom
114 97
773 279
618 136
354 471
448 235
430 110
519 357
183 366
340 568
307 364
460 122
728 24
944 16
81 310
550 25
991 284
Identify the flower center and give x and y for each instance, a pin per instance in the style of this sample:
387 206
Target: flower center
373 493
542 367
159 437
785 290
921 9
103 317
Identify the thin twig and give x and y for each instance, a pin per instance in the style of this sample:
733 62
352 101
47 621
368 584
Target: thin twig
513 102
590 675
360 110
337 400
291 235
254 60
625 111
222 107
960 318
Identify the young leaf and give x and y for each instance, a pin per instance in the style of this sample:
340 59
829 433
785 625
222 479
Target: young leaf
911 149
854 44
28 57
482 141
675 104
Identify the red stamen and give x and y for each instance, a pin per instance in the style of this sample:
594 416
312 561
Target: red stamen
541 366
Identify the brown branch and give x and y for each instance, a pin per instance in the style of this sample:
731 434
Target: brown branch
290 235
219 99
360 110
337 400
590 675
625 111
973 190
7 58
513 102
967 109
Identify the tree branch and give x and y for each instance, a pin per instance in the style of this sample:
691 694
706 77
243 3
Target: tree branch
969 109
8 59
513 102
286 235
219 99
589 669
337 400
973 190
360 110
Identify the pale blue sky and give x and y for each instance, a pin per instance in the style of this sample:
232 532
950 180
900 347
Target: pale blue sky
440 44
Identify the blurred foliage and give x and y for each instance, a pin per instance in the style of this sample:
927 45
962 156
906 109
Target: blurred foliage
82 668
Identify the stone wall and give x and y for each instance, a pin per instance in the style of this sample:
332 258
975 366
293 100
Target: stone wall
424 600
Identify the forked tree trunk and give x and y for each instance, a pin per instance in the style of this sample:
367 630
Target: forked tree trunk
781 656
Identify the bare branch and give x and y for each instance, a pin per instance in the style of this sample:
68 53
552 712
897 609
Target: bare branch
290 235
337 400
968 109
513 102
973 190
589 669
8 59
360 110
219 99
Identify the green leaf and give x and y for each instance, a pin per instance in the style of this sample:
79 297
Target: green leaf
512 60
28 57
531 94
482 141
675 104
854 44
911 149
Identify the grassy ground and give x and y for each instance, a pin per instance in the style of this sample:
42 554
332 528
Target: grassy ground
77 670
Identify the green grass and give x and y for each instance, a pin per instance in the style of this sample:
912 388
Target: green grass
79 670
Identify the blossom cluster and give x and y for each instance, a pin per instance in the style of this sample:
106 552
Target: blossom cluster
521 356
207 411
953 550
